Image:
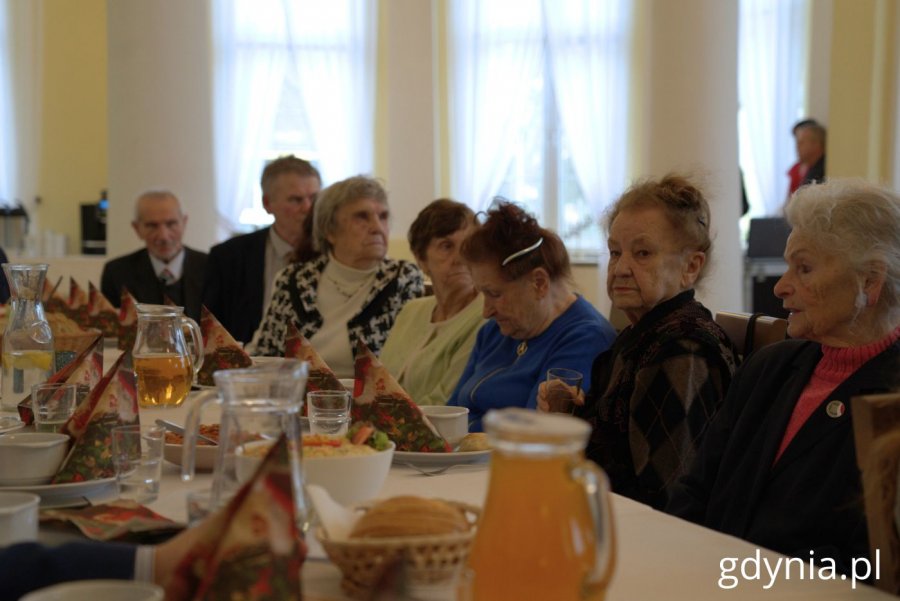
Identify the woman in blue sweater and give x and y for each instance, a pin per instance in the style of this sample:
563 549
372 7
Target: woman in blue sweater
536 319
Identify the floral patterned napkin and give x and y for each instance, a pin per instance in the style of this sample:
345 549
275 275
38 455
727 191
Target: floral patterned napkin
220 349
101 313
78 304
296 346
127 320
378 398
111 403
253 550
122 520
86 368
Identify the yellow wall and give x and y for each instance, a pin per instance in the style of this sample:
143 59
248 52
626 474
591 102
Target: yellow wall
73 159
862 92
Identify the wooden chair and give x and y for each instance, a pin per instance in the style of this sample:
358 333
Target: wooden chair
750 332
876 430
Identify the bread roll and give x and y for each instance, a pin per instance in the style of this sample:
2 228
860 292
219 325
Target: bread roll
410 516
476 441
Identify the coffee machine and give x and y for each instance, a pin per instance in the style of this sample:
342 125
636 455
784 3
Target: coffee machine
93 226
13 228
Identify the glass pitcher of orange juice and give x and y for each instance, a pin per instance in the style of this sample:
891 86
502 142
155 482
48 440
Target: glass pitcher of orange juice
164 366
546 531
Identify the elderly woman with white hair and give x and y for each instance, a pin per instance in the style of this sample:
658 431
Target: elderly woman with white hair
778 465
352 291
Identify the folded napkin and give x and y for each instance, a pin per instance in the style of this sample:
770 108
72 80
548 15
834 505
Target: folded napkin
253 549
296 346
378 398
127 320
78 304
112 402
122 520
101 313
220 349
86 368
52 299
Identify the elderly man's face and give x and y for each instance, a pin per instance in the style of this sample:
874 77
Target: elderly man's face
289 201
809 147
160 225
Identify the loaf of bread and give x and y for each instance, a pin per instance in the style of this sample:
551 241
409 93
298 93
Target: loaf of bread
475 441
410 516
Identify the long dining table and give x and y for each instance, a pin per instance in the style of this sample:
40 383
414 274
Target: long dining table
658 556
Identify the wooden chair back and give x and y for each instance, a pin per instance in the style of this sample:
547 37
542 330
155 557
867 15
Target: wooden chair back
750 332
876 429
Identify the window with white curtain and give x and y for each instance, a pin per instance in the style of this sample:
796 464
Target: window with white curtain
539 97
772 69
291 76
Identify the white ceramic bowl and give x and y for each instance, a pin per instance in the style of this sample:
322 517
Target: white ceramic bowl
451 422
29 458
348 480
18 517
98 590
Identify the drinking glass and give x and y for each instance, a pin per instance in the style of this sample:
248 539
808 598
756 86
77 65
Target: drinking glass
329 412
563 386
138 456
53 405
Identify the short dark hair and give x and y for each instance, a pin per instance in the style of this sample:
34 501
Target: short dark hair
440 218
811 124
287 164
509 230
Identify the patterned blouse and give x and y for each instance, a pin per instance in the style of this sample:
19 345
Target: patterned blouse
652 395
295 295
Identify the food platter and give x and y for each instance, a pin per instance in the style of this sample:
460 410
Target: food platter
68 494
204 457
453 458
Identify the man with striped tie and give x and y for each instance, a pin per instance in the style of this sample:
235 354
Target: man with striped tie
164 268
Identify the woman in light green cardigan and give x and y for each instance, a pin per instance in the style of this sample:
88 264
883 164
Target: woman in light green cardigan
431 340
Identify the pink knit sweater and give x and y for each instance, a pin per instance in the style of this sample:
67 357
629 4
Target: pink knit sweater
835 366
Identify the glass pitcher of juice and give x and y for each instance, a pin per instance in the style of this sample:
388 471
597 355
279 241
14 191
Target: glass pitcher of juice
164 365
546 531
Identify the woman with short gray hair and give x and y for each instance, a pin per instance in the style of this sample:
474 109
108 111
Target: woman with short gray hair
351 292
778 464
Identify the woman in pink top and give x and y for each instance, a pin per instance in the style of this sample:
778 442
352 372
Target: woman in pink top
778 464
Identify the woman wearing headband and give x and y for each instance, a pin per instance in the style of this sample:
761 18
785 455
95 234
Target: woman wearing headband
535 319
654 392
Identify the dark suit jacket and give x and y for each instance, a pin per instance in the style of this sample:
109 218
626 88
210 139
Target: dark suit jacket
4 285
812 498
25 567
235 283
135 272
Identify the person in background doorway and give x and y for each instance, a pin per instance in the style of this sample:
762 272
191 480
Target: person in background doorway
809 135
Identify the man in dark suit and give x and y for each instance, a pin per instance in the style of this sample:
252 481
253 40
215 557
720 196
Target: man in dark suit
165 267
241 271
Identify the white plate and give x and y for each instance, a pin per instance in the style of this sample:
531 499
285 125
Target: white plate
401 457
9 423
56 494
204 458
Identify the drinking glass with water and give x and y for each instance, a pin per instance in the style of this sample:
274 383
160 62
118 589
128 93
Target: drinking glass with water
138 457
329 412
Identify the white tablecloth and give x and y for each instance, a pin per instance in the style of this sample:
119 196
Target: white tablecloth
659 556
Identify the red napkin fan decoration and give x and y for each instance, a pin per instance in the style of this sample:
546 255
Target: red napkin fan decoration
101 313
53 301
78 304
220 349
252 550
296 346
113 402
127 321
378 398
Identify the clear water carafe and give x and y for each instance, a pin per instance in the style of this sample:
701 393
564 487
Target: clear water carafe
28 357
546 531
258 406
164 364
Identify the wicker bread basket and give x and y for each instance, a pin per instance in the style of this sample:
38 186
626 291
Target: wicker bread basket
428 559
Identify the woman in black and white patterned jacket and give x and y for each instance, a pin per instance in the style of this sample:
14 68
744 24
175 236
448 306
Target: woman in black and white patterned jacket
351 292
